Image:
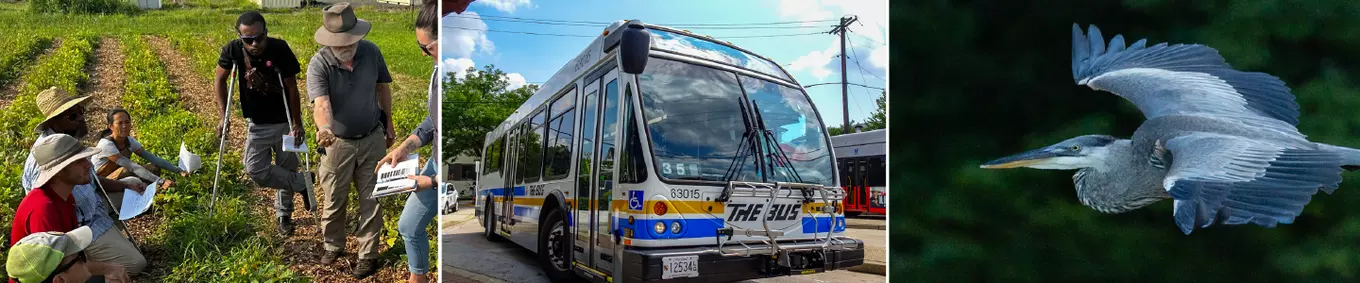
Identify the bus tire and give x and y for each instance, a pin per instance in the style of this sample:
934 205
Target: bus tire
554 248
489 218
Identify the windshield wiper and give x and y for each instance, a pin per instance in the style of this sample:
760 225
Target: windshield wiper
748 148
777 156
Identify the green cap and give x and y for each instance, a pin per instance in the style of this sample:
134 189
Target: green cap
37 255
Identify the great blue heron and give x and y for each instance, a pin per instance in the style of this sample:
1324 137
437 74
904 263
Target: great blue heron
1222 143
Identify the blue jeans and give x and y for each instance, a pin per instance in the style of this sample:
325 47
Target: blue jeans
419 211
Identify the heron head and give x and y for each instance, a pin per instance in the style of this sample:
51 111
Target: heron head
1074 153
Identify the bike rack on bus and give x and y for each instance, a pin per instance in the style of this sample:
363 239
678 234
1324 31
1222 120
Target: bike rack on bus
807 193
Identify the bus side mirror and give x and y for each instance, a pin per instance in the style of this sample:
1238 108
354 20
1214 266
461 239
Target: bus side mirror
633 42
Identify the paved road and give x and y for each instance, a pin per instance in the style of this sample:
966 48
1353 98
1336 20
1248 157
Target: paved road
467 257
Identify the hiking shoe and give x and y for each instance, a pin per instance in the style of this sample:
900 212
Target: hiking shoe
330 257
286 226
365 268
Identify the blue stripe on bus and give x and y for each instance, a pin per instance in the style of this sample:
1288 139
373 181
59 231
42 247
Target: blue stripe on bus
522 210
519 191
823 224
690 228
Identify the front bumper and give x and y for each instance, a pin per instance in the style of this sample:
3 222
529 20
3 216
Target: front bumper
803 257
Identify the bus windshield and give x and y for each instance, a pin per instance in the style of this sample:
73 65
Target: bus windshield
695 118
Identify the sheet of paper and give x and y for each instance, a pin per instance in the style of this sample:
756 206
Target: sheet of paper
135 204
393 180
288 145
188 161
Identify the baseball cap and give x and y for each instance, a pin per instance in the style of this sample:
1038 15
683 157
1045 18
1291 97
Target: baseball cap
37 256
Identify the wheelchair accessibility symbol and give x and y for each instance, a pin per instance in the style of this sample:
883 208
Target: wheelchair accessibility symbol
634 200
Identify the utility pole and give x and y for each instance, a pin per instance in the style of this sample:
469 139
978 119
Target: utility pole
841 29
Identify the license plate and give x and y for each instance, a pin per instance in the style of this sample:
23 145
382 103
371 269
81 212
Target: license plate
679 266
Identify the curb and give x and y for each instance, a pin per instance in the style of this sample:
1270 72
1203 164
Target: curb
870 268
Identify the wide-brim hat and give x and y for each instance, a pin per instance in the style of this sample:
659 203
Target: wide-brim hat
54 101
54 152
339 27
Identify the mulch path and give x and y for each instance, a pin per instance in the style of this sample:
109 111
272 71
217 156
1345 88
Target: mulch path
196 92
105 86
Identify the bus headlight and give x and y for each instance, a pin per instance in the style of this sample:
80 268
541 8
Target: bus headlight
675 227
660 227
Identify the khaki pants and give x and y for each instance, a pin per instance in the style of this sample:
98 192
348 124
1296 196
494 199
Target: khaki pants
346 163
113 248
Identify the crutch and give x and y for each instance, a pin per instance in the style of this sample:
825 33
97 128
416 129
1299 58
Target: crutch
116 209
222 144
309 197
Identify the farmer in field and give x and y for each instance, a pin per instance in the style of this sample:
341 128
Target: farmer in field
420 205
347 81
51 207
58 256
64 113
266 72
117 146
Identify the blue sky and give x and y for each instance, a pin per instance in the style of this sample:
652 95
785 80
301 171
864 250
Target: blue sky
810 58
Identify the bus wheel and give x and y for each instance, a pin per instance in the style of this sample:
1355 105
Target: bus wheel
489 218
554 248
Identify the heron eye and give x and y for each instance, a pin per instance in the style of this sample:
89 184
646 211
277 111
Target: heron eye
1076 148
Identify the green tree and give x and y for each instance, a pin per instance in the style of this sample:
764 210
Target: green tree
878 119
475 105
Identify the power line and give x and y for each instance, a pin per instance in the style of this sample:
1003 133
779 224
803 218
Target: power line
512 31
577 22
836 83
599 24
591 36
862 71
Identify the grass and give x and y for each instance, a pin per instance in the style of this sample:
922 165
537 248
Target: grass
236 244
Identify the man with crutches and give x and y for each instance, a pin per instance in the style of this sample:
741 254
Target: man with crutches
266 77
64 113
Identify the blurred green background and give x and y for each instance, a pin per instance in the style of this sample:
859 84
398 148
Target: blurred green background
978 80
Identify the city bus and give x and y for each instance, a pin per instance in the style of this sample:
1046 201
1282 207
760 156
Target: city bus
657 154
861 159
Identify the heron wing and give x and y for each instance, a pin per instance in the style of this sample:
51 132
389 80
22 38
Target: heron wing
1177 79
1235 180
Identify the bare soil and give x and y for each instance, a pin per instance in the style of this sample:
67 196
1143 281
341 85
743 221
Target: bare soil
105 87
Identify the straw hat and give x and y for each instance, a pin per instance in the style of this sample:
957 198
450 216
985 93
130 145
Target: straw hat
53 101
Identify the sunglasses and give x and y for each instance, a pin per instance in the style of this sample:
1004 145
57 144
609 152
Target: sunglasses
251 40
425 48
75 114
80 257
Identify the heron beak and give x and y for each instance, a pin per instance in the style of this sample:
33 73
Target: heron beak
1028 158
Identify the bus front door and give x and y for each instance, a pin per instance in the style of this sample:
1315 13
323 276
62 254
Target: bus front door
585 199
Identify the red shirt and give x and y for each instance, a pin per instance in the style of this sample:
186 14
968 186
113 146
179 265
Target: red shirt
42 210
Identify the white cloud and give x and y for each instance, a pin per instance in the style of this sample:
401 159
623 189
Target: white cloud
872 24
458 66
515 79
816 62
879 58
507 6
461 35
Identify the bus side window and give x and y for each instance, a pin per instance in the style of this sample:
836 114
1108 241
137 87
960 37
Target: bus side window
632 170
557 157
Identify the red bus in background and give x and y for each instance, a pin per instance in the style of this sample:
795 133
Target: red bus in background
861 159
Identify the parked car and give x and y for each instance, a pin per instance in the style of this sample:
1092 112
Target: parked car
449 198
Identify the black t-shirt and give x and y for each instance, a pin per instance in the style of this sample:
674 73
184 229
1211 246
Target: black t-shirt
262 108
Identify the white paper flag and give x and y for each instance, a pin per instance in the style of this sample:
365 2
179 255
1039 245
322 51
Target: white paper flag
188 161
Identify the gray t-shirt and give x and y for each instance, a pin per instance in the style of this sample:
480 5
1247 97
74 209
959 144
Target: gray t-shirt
353 94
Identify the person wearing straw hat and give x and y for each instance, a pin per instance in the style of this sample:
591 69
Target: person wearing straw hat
347 81
58 257
64 113
267 77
